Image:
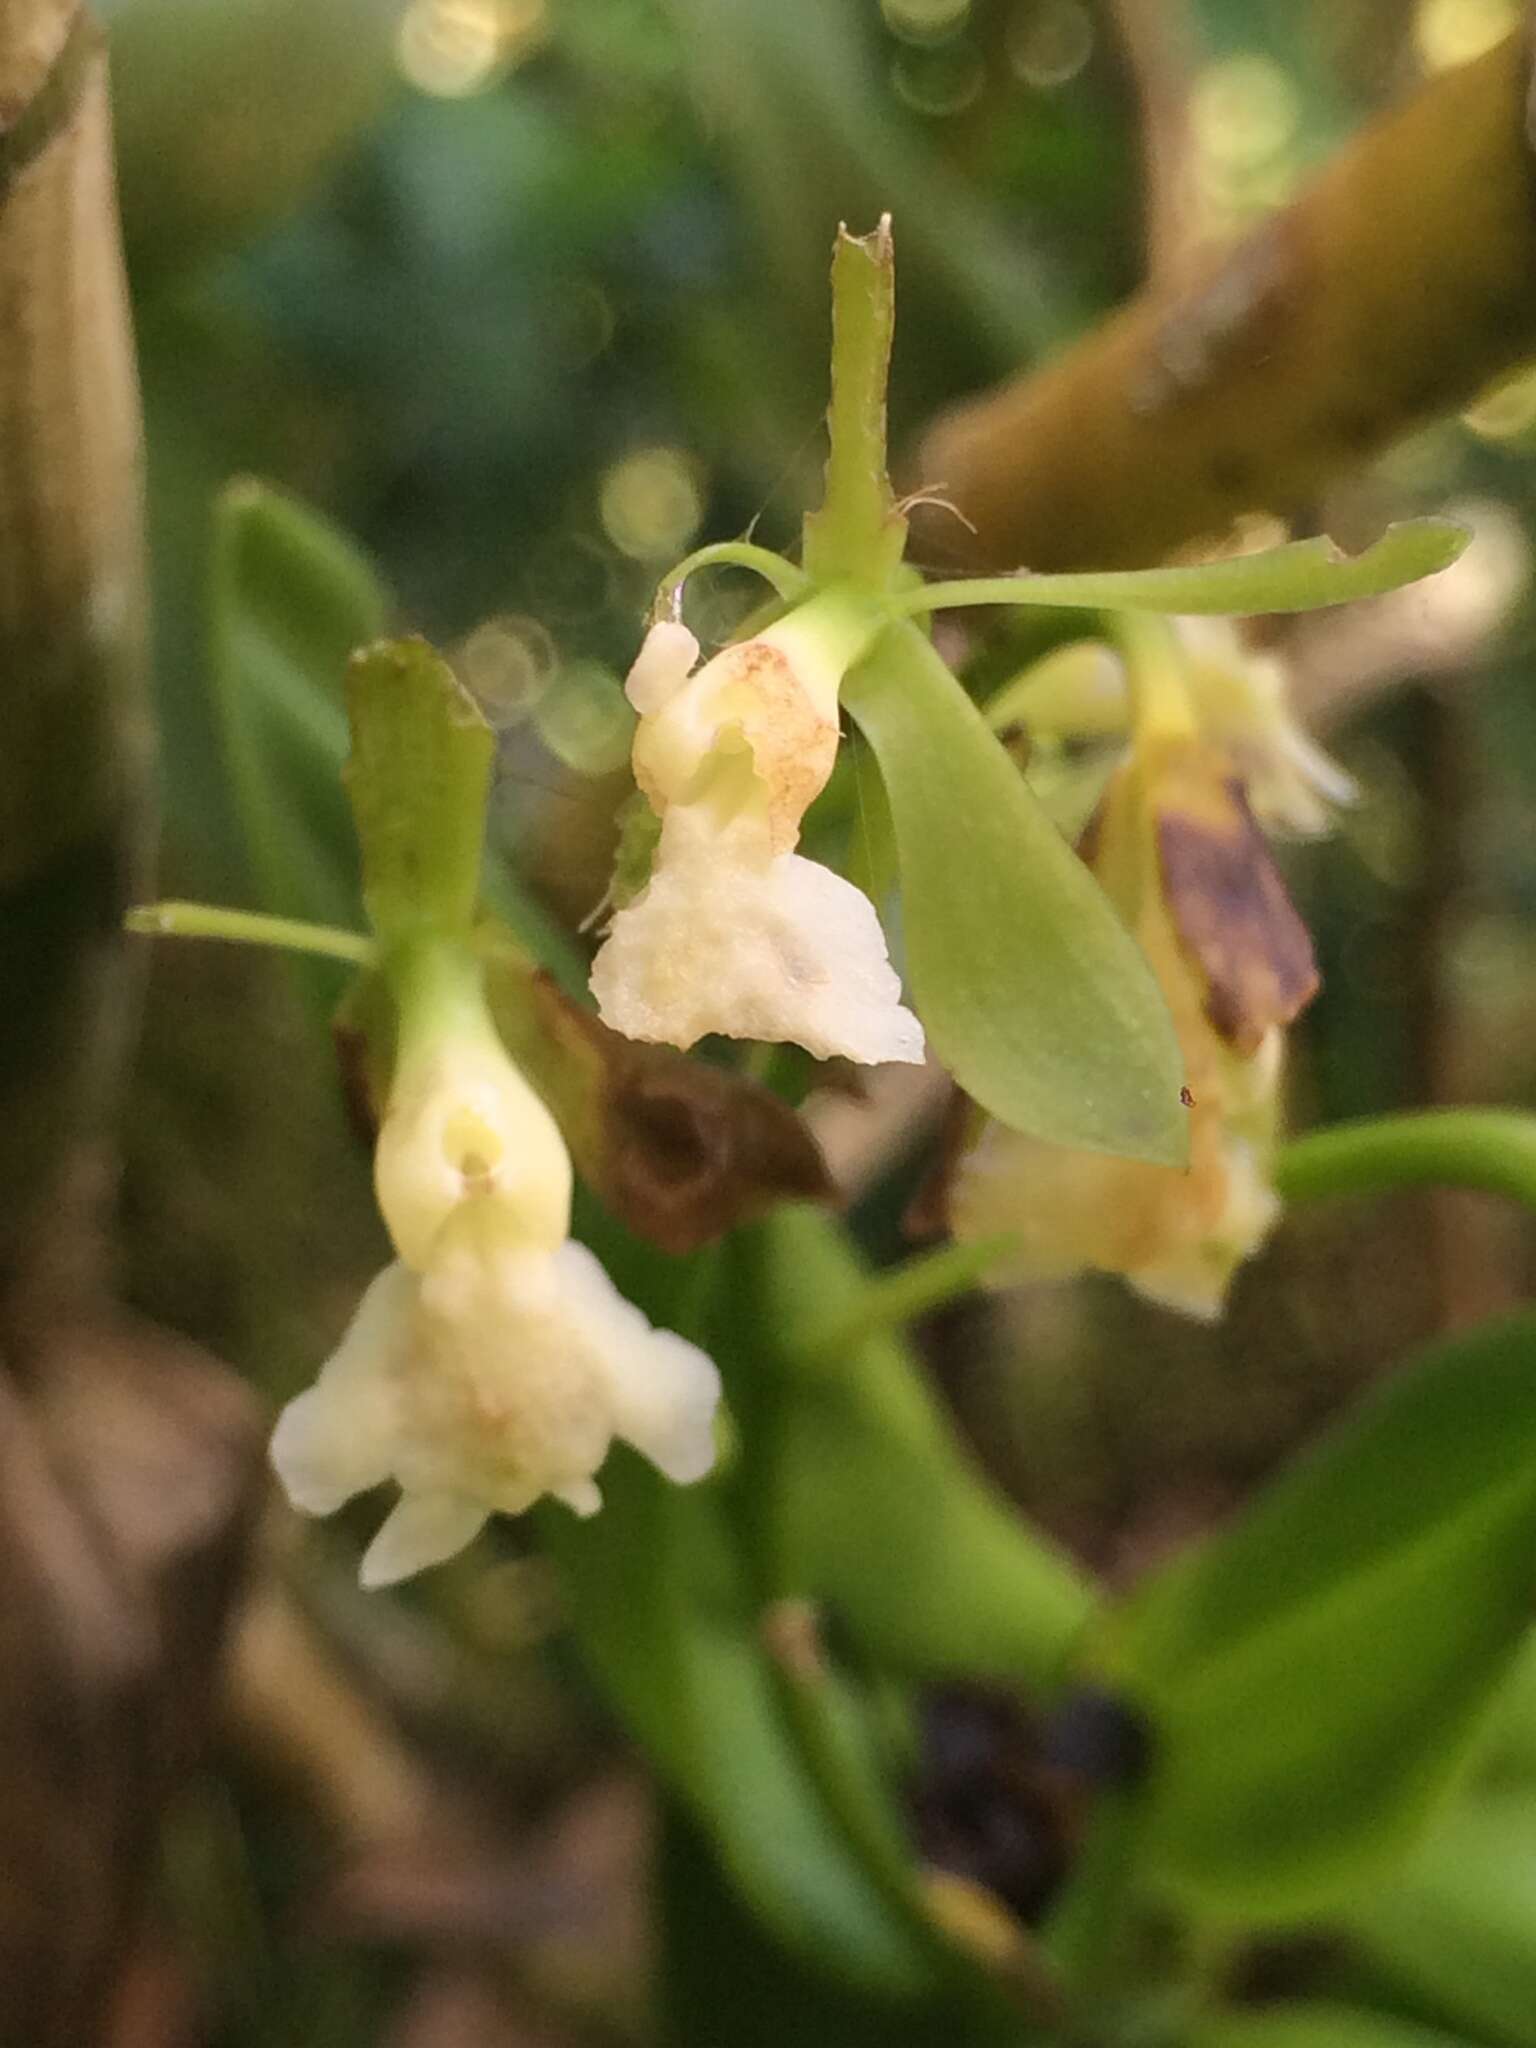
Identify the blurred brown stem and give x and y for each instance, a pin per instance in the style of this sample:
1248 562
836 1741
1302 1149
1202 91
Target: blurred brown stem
72 645
1398 285
127 1460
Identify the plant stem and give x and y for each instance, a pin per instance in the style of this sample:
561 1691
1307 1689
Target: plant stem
1493 1150
907 1291
786 579
74 814
249 928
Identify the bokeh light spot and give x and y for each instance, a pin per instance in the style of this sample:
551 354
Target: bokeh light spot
507 664
452 48
651 505
1244 110
1451 32
586 720
925 21
942 79
1049 42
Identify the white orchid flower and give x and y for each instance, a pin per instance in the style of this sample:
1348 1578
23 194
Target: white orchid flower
494 1362
734 932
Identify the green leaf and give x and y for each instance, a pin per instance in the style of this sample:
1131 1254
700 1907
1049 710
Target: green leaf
853 1467
1456 1929
291 598
1314 2023
668 1616
667 1620
1314 1675
1301 576
419 777
1031 991
726 1983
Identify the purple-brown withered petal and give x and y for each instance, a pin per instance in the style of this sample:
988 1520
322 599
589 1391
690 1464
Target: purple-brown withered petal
1229 903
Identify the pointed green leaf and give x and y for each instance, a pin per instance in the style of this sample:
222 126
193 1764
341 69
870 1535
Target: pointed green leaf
668 1620
1314 1675
1031 991
667 1613
291 598
419 777
1301 576
713 1949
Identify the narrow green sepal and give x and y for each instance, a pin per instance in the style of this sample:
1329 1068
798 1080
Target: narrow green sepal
1300 576
419 777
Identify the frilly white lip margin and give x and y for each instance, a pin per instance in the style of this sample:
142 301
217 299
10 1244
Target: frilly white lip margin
496 1377
734 932
494 1362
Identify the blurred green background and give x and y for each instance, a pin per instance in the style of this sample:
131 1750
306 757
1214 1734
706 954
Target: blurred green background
529 297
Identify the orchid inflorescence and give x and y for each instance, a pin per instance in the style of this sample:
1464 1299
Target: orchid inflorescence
1114 1028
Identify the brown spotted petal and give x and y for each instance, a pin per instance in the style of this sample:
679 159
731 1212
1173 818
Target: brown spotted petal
1230 907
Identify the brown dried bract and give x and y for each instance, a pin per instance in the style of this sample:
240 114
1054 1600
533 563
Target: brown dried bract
679 1150
1232 911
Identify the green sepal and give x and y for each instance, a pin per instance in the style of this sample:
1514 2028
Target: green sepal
419 778
1314 1675
1030 989
1299 576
